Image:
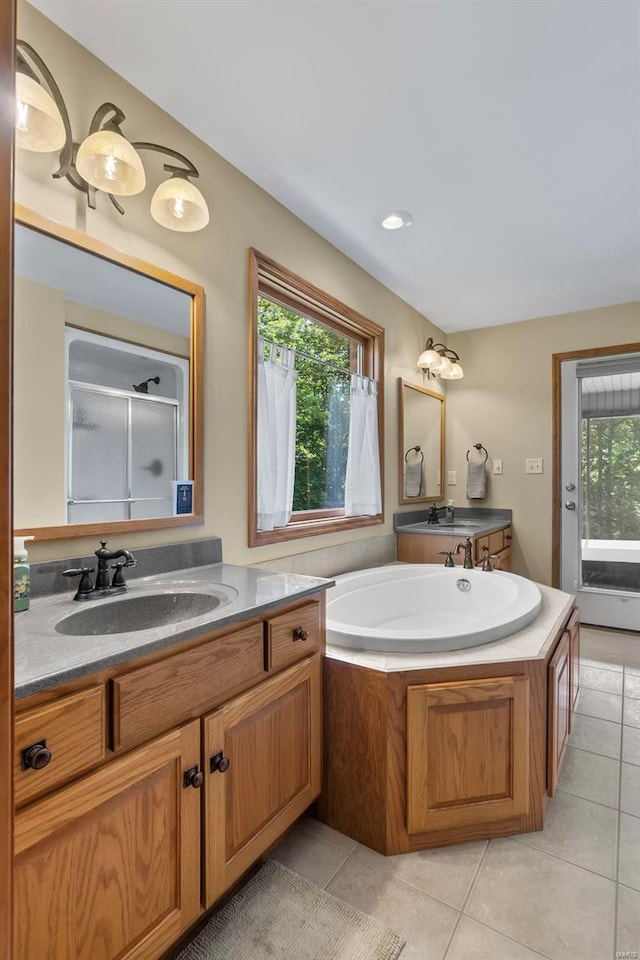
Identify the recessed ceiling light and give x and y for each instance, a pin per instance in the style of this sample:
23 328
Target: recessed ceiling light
397 219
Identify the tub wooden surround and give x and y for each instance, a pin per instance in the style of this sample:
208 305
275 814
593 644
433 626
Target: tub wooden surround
420 756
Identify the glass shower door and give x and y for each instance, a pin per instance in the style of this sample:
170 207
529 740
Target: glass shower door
98 483
153 457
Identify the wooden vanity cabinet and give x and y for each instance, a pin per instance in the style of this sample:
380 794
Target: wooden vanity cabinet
564 685
131 830
426 547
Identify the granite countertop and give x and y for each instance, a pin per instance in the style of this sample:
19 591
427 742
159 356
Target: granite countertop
530 643
468 522
45 658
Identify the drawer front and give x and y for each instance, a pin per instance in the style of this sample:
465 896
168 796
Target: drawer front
496 541
502 560
480 544
73 730
153 699
292 636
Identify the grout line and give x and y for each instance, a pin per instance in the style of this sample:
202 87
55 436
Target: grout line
501 933
467 895
517 839
319 836
577 796
618 826
336 872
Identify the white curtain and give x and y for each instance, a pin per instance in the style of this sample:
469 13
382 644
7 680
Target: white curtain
276 435
362 490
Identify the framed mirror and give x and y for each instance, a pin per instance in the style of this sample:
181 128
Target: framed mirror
108 388
421 438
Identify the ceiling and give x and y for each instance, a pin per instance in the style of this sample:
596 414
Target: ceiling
509 130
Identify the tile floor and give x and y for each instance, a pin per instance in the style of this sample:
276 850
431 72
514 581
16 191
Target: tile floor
570 892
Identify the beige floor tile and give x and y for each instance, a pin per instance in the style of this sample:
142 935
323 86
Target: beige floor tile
597 736
549 905
631 745
446 873
599 648
311 825
631 714
629 868
609 681
597 703
630 789
425 923
314 859
577 830
632 685
590 776
474 941
632 653
628 932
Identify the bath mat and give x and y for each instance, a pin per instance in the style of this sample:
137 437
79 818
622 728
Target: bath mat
280 916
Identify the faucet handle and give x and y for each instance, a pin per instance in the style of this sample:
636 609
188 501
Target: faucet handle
448 554
85 587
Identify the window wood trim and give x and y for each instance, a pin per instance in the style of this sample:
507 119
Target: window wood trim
274 281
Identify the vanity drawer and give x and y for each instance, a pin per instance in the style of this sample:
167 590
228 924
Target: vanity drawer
150 700
292 636
72 730
494 542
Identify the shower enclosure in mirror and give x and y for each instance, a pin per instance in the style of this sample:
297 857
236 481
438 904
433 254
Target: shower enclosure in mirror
108 392
421 443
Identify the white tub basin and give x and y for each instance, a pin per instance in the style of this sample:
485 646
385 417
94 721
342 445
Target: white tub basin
416 608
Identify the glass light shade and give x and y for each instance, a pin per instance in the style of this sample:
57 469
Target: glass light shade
39 124
178 205
456 372
445 368
108 162
430 360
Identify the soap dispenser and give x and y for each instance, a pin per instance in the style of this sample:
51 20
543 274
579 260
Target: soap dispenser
450 512
21 575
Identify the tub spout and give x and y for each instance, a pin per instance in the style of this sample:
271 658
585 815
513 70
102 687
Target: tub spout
467 547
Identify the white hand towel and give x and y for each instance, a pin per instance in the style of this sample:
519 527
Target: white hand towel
413 480
476 481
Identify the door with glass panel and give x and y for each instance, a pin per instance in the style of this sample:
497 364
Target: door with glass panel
123 454
600 495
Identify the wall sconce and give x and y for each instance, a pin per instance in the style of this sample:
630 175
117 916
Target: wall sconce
440 361
105 160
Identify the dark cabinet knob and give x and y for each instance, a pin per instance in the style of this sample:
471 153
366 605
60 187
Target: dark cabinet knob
194 777
219 763
300 633
36 756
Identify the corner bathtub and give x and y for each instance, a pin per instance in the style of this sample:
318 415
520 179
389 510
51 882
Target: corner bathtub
419 608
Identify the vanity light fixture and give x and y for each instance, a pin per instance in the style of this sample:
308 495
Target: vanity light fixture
438 360
105 160
397 220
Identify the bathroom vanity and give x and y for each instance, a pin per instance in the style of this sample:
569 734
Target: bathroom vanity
421 542
425 750
152 770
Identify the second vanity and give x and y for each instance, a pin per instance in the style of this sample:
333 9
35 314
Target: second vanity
422 542
164 761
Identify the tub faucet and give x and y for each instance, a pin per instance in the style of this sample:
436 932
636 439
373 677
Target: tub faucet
467 547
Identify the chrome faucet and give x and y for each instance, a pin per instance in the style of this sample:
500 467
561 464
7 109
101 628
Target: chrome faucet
103 586
467 546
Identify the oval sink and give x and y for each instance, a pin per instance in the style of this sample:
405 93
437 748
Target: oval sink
144 611
461 523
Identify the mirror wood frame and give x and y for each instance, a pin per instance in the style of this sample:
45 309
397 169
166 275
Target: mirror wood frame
401 451
83 241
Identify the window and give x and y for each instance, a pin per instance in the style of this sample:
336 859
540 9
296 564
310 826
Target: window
324 344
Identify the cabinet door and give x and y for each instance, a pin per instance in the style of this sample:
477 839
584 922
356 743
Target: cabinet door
110 866
559 707
262 757
467 753
574 643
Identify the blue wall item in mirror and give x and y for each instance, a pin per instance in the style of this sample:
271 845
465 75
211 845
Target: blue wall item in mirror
182 497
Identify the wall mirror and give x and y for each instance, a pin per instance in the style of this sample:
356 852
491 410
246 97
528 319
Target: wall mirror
108 392
421 435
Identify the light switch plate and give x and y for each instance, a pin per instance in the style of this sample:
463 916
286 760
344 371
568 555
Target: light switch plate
497 468
451 478
533 465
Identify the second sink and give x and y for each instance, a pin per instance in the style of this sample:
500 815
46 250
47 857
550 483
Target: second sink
149 607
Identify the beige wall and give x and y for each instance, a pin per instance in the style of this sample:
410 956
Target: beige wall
505 403
242 216
142 334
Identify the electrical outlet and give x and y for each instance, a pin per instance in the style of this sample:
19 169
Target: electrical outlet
497 468
533 465
451 478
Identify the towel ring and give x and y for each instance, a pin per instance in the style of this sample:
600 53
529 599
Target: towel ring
415 449
479 447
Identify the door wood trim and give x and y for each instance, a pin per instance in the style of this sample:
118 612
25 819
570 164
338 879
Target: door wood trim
7 93
556 360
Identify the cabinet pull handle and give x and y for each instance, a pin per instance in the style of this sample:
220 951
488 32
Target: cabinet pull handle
507 537
193 777
36 756
219 763
299 633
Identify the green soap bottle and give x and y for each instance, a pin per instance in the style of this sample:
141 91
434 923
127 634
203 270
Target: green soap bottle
21 575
